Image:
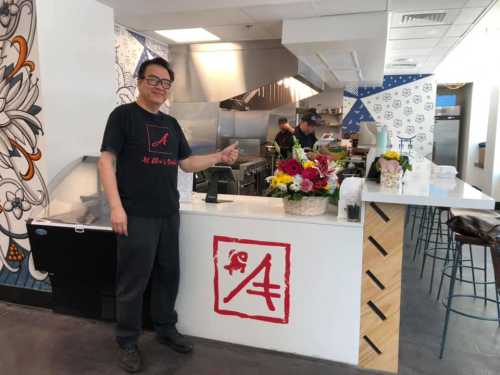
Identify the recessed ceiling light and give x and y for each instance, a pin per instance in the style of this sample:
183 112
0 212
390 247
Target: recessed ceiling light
188 35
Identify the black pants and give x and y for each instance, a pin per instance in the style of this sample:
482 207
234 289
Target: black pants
151 249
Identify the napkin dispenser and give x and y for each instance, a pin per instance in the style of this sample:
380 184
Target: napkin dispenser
350 194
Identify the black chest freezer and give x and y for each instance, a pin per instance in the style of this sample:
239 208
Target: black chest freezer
73 241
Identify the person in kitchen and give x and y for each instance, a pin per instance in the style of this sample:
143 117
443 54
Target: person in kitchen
147 146
305 132
284 138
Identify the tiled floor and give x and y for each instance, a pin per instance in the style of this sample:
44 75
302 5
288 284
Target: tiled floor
39 342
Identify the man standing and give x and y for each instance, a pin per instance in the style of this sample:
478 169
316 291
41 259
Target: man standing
284 137
305 131
147 146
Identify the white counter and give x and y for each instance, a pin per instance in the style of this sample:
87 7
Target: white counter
257 208
421 188
315 266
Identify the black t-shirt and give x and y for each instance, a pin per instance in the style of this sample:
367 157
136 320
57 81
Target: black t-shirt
284 139
148 148
305 140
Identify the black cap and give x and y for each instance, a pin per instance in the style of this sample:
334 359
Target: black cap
282 120
312 119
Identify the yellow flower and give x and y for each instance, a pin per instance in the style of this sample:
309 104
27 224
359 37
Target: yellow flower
274 182
391 155
284 178
309 164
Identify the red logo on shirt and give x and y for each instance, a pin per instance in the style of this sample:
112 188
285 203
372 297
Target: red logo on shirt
162 141
158 139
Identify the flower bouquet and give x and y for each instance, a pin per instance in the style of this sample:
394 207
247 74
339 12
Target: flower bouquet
392 167
306 185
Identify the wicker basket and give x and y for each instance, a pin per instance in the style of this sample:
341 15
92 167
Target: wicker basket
307 206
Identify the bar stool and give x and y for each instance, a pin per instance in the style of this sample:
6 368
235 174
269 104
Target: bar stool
461 240
442 241
413 214
464 262
423 231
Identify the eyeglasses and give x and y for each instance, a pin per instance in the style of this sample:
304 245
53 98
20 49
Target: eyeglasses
155 81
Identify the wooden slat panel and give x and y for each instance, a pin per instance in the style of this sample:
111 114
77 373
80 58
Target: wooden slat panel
381 237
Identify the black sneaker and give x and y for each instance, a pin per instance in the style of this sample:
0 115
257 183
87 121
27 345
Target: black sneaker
130 359
176 341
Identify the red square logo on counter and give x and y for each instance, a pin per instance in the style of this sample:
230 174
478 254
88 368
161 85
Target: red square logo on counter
252 279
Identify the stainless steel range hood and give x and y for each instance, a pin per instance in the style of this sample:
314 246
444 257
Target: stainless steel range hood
213 72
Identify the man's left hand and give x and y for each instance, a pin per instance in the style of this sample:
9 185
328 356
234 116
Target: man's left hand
230 154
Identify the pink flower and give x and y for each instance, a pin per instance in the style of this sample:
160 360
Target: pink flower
310 174
306 186
389 165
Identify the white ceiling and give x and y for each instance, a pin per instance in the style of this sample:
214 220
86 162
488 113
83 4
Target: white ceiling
424 43
419 48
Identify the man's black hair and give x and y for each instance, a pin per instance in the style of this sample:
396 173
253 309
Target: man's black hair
156 61
282 120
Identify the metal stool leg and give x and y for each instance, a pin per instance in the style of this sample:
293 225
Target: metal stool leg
472 269
498 304
429 232
449 252
484 274
423 222
450 297
440 235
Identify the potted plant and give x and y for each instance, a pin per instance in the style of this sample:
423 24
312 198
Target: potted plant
392 166
306 184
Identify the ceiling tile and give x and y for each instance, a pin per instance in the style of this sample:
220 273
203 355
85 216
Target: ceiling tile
413 52
407 60
412 5
186 19
439 52
233 33
478 3
447 42
266 13
418 32
328 7
175 6
411 43
468 15
457 30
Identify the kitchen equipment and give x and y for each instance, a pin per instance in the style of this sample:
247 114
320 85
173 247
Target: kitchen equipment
446 136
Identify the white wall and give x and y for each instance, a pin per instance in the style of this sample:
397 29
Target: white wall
476 59
76 47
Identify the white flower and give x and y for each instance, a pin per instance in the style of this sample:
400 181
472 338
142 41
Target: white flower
268 179
16 203
295 187
297 179
282 187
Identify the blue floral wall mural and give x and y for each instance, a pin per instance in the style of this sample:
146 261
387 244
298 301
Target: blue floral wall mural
132 50
404 103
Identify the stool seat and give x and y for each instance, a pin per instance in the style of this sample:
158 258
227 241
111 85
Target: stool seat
469 240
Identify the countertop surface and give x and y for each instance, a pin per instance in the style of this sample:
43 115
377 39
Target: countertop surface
420 187
262 208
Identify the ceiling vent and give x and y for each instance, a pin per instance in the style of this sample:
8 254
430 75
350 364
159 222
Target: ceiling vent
401 65
416 19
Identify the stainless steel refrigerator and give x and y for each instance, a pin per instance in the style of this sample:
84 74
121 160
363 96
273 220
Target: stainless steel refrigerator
446 136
